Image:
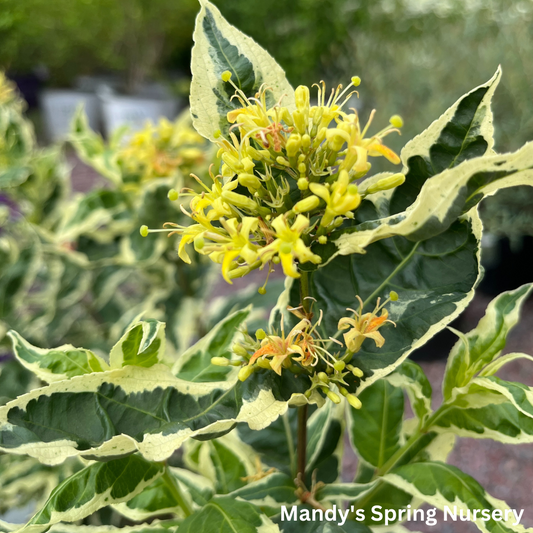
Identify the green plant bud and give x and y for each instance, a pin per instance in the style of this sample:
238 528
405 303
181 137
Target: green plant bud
293 144
249 181
357 372
262 290
354 401
393 295
263 363
338 222
385 184
302 168
282 161
220 361
238 349
306 141
245 372
308 393
322 239
396 121
144 231
260 334
339 366
333 397
307 204
173 195
276 260
343 391
322 376
303 184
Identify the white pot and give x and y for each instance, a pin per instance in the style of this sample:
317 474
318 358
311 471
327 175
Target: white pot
134 112
59 107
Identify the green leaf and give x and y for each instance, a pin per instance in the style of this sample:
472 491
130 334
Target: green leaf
143 344
269 493
158 526
158 498
226 462
92 488
443 485
108 414
410 377
227 515
220 47
195 364
58 363
423 273
484 343
463 132
375 429
277 443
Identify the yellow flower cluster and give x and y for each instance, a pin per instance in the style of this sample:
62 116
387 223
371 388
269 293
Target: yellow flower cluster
159 151
287 180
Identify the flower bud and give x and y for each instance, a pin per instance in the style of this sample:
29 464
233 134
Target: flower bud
239 200
238 349
220 361
260 334
299 121
332 396
245 372
293 144
303 184
322 376
307 204
306 141
263 363
173 195
282 161
262 291
354 401
339 366
301 96
322 239
357 372
386 183
250 181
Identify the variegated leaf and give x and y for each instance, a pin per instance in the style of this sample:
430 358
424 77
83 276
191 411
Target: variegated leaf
92 488
220 47
58 363
463 132
483 344
158 498
443 485
423 273
195 363
143 344
109 414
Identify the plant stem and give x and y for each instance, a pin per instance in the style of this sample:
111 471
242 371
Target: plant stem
302 440
175 490
302 410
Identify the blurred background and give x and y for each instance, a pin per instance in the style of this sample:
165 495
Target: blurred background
128 61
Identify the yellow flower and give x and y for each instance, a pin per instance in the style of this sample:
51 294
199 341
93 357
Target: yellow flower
289 245
364 326
238 243
342 198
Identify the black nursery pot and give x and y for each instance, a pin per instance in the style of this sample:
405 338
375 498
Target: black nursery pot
510 268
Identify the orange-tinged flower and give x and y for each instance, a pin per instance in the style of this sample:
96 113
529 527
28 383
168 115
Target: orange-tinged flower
364 326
